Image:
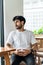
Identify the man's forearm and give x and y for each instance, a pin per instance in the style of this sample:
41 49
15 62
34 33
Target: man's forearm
9 45
34 46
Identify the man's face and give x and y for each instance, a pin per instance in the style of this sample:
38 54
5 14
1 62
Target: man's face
18 24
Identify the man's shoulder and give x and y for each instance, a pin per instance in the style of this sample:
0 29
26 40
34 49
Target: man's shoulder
12 32
29 31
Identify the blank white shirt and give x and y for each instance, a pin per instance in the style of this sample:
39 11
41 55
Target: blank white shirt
21 40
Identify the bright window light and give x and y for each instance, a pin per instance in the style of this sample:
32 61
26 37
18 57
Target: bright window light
33 12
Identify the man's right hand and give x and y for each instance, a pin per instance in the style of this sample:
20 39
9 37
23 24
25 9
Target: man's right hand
19 53
22 53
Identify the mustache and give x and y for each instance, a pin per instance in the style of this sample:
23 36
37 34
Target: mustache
16 25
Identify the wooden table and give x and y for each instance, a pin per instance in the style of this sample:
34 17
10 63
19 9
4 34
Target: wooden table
4 52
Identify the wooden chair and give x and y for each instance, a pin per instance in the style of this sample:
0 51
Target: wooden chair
39 52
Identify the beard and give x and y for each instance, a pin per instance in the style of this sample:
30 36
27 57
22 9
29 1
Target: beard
18 27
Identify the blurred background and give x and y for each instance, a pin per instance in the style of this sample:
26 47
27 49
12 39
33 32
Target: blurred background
32 10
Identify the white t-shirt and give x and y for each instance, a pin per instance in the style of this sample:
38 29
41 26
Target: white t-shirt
21 40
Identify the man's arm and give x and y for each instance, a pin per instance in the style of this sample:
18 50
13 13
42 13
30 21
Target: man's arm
8 45
34 46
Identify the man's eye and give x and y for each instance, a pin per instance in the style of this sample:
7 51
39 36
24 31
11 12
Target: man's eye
16 21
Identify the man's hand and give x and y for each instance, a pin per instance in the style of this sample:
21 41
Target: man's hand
24 52
19 53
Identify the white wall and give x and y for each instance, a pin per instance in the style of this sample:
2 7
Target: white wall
11 8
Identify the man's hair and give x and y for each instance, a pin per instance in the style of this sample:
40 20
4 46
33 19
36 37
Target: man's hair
21 18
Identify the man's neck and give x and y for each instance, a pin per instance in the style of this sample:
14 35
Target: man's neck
21 30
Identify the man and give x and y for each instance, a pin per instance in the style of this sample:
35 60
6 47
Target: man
21 40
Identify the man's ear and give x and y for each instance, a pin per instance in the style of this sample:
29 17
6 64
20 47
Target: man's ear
22 22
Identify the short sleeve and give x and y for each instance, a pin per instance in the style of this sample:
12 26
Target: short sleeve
33 40
10 39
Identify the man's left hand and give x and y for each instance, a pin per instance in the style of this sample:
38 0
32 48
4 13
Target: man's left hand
24 52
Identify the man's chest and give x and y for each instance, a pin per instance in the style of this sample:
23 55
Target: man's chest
21 38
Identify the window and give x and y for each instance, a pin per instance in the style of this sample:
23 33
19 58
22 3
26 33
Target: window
33 12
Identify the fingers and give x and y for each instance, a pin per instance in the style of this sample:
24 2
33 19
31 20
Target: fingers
21 53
